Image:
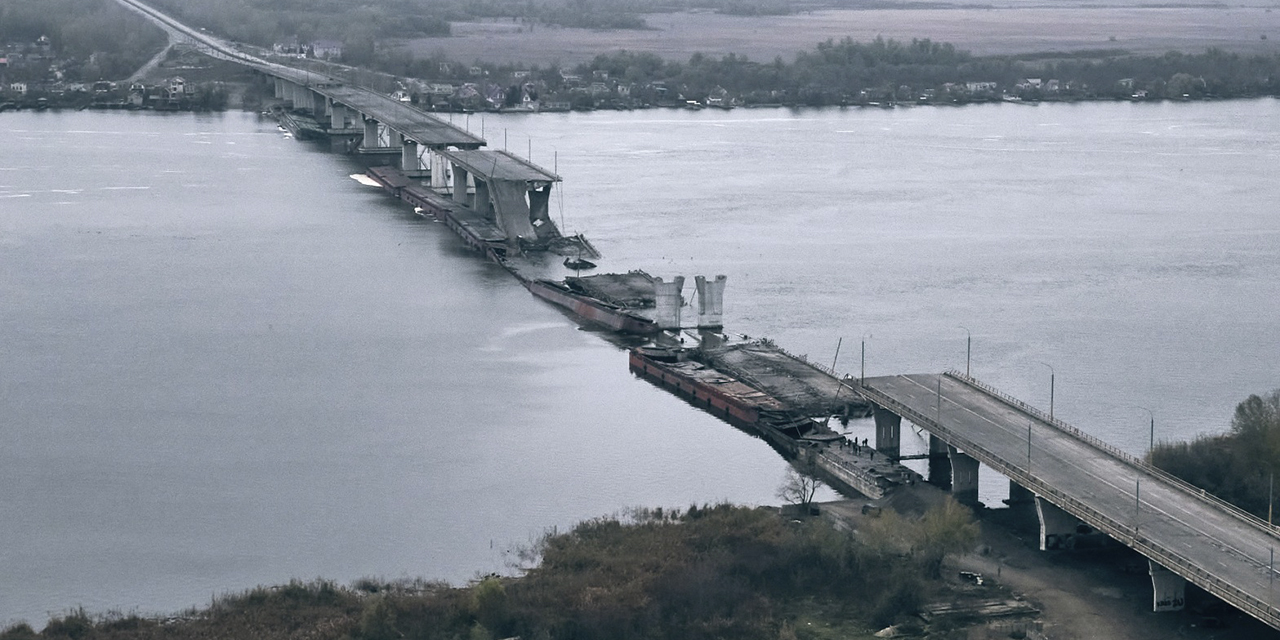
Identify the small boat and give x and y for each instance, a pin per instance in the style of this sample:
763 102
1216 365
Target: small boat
578 264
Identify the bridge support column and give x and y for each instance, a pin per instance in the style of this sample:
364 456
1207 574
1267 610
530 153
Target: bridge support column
1057 527
408 155
459 184
888 433
1169 590
278 88
667 302
939 463
370 133
710 302
482 203
439 171
337 116
964 477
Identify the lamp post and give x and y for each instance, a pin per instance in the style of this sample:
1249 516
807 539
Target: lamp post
863 376
1052 375
1151 447
968 349
1028 447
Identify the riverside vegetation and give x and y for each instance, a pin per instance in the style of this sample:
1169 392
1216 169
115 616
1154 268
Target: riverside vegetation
1238 466
718 571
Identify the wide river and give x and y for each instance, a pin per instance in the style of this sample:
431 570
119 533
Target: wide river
223 363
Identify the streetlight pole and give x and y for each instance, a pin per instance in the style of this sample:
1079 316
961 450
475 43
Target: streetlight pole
1028 447
968 349
863 376
1052 374
1151 447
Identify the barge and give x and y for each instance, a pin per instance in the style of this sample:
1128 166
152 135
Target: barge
476 231
720 395
797 437
592 309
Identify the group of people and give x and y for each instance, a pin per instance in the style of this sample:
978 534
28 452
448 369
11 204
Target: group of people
858 448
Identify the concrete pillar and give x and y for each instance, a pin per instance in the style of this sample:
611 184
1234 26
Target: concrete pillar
278 86
1169 590
370 133
888 433
289 93
439 171
710 302
482 202
964 477
939 463
667 302
408 155
459 184
337 116
1057 527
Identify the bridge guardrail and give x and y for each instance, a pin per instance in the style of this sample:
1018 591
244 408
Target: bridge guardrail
1127 534
1112 450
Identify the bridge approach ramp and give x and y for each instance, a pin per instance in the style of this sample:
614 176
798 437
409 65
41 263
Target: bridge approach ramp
1214 545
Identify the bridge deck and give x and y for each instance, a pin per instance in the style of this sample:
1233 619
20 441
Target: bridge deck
499 165
1210 544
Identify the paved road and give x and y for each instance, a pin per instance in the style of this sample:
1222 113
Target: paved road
1206 542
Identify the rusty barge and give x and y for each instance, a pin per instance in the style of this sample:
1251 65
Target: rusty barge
789 426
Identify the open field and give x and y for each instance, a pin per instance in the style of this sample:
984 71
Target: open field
1018 29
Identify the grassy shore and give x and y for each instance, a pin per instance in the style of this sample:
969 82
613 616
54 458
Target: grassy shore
713 572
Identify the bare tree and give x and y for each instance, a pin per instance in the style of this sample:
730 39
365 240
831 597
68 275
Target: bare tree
798 487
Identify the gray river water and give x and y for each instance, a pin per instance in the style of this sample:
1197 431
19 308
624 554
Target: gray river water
223 363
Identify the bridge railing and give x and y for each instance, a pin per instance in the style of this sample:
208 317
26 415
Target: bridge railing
1127 534
1112 450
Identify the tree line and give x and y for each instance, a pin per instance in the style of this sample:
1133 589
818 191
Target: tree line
1238 466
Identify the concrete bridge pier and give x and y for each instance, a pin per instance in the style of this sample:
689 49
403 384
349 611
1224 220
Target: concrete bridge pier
370 133
482 203
888 433
337 116
667 302
460 184
939 463
710 302
439 170
1169 590
278 88
1057 527
408 155
964 477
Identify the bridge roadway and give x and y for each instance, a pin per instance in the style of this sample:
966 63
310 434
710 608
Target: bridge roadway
1206 541
413 124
